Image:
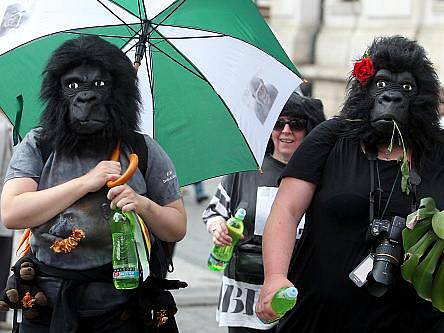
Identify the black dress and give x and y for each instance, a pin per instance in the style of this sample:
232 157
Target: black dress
333 242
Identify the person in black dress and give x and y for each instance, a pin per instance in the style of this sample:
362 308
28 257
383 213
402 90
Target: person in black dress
328 178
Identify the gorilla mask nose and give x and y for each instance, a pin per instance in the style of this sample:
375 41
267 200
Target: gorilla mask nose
389 106
86 97
391 97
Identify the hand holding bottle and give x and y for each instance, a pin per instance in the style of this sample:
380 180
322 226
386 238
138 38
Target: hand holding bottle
221 255
124 197
271 286
218 229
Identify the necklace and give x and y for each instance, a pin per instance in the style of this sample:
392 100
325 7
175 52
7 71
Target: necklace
380 190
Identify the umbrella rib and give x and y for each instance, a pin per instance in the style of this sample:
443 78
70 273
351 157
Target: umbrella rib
64 32
144 9
132 47
166 17
166 9
237 38
211 86
199 75
151 81
150 73
116 16
189 37
140 13
99 35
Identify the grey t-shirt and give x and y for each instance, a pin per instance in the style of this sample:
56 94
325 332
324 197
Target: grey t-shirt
91 212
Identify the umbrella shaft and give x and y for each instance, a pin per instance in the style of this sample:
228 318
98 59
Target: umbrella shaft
141 44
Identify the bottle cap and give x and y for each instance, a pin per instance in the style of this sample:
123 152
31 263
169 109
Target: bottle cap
240 214
291 292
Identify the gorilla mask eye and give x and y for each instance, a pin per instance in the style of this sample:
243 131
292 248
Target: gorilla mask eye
407 87
99 83
73 85
381 84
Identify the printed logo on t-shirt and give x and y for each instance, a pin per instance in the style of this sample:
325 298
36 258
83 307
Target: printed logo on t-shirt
170 175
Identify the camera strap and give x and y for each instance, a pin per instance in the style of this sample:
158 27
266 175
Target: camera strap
371 156
415 180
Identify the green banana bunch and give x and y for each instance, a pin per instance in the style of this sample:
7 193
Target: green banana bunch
423 241
437 289
414 253
423 276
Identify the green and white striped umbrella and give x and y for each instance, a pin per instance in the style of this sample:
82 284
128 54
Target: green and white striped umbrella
213 77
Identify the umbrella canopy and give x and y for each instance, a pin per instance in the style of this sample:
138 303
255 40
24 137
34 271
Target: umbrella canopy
213 77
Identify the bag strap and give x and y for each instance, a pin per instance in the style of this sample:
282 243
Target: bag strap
141 149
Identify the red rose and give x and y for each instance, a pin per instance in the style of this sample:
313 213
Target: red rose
363 70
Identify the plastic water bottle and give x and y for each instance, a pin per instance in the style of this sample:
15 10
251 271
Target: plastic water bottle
125 260
220 256
284 300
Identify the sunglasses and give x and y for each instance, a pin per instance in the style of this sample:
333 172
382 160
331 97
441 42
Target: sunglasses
295 124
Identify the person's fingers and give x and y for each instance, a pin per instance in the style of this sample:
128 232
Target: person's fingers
265 312
223 237
114 192
129 207
112 176
223 228
217 242
220 239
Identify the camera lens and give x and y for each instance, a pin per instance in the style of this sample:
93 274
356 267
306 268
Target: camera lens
387 259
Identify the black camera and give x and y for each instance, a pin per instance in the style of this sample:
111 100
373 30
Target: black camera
387 255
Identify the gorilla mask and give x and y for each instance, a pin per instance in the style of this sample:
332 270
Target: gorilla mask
392 94
87 88
91 96
402 87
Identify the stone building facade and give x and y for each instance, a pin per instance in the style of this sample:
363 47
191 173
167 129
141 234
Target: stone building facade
323 37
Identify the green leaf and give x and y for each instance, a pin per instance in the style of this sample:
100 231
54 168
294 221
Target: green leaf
411 237
438 224
422 278
405 176
427 207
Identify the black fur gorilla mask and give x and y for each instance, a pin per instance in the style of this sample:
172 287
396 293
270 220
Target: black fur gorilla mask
393 94
87 88
403 86
91 95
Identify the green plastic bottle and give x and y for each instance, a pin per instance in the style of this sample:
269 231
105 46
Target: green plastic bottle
284 300
220 256
125 260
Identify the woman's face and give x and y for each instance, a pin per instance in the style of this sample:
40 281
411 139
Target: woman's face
287 135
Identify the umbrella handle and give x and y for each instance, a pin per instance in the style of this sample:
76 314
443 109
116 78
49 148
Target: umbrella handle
132 167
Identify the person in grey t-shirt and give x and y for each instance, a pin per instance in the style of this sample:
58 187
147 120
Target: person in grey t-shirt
89 89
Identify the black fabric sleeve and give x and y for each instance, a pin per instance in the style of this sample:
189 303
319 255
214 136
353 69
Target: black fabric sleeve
307 162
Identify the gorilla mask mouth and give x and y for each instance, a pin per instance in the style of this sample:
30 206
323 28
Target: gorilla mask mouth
383 125
87 126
